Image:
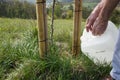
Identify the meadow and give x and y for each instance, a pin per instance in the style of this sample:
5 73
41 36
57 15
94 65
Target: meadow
20 59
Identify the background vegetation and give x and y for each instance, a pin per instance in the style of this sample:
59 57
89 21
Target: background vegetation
19 57
26 10
17 9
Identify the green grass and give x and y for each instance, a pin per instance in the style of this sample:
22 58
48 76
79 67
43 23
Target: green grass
63 31
19 56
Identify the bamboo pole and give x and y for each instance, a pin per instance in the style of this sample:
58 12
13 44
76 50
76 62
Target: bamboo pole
77 27
42 26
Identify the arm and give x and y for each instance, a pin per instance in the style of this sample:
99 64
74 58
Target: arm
108 7
94 14
101 22
98 24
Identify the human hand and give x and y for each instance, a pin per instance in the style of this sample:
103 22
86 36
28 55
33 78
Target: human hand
90 21
93 16
99 26
98 20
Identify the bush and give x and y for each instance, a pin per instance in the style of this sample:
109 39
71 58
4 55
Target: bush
86 12
115 17
17 9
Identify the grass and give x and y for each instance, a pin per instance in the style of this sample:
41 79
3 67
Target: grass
19 56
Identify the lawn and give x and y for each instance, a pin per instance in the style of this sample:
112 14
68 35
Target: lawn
19 56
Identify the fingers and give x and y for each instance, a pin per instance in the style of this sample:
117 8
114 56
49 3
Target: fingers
97 32
90 21
93 16
89 24
99 27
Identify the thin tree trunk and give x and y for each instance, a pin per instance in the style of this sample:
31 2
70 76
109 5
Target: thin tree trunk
52 24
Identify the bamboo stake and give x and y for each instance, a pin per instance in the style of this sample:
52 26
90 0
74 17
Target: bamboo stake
77 27
42 26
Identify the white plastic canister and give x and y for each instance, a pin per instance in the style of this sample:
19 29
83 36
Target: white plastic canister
100 48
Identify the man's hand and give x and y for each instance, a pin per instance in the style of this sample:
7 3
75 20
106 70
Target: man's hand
90 21
99 26
98 19
93 16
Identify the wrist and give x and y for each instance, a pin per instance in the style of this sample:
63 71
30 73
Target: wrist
104 14
97 8
108 7
103 18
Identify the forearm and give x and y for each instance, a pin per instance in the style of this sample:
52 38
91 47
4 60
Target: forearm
98 8
107 8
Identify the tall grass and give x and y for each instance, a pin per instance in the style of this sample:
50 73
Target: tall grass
19 56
